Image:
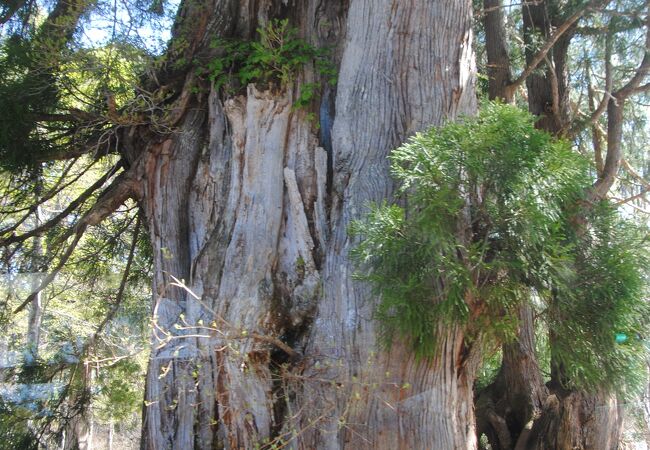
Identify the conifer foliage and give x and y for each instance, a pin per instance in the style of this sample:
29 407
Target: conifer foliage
486 220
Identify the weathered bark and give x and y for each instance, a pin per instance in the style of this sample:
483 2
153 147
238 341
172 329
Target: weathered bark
249 204
409 69
507 408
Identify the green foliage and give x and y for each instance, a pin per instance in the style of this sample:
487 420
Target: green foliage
488 371
23 95
38 94
485 196
14 430
276 57
119 398
488 226
608 297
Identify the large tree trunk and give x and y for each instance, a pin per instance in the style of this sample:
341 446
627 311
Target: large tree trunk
506 408
249 204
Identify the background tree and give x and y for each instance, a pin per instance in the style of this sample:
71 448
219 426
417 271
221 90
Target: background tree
557 91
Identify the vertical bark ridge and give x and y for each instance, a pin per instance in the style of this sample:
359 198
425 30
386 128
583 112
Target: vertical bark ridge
170 378
405 66
237 207
249 263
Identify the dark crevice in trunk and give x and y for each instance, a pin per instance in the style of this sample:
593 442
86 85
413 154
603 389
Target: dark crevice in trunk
279 394
327 114
281 365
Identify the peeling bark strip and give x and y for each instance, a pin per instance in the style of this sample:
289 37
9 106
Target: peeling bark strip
251 210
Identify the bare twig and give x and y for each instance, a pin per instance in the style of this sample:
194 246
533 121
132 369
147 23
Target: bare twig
240 334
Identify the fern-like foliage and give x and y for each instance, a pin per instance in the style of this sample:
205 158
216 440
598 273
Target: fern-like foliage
488 222
275 57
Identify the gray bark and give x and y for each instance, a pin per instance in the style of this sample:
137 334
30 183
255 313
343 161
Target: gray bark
398 75
272 339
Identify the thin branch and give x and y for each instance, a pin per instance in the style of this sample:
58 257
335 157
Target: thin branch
626 165
615 123
120 292
50 276
641 72
555 87
58 187
117 193
73 115
602 106
13 238
596 112
541 54
641 194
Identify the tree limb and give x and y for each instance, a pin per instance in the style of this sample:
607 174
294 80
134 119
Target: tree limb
50 276
13 238
602 106
117 193
626 165
548 45
641 194
615 123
